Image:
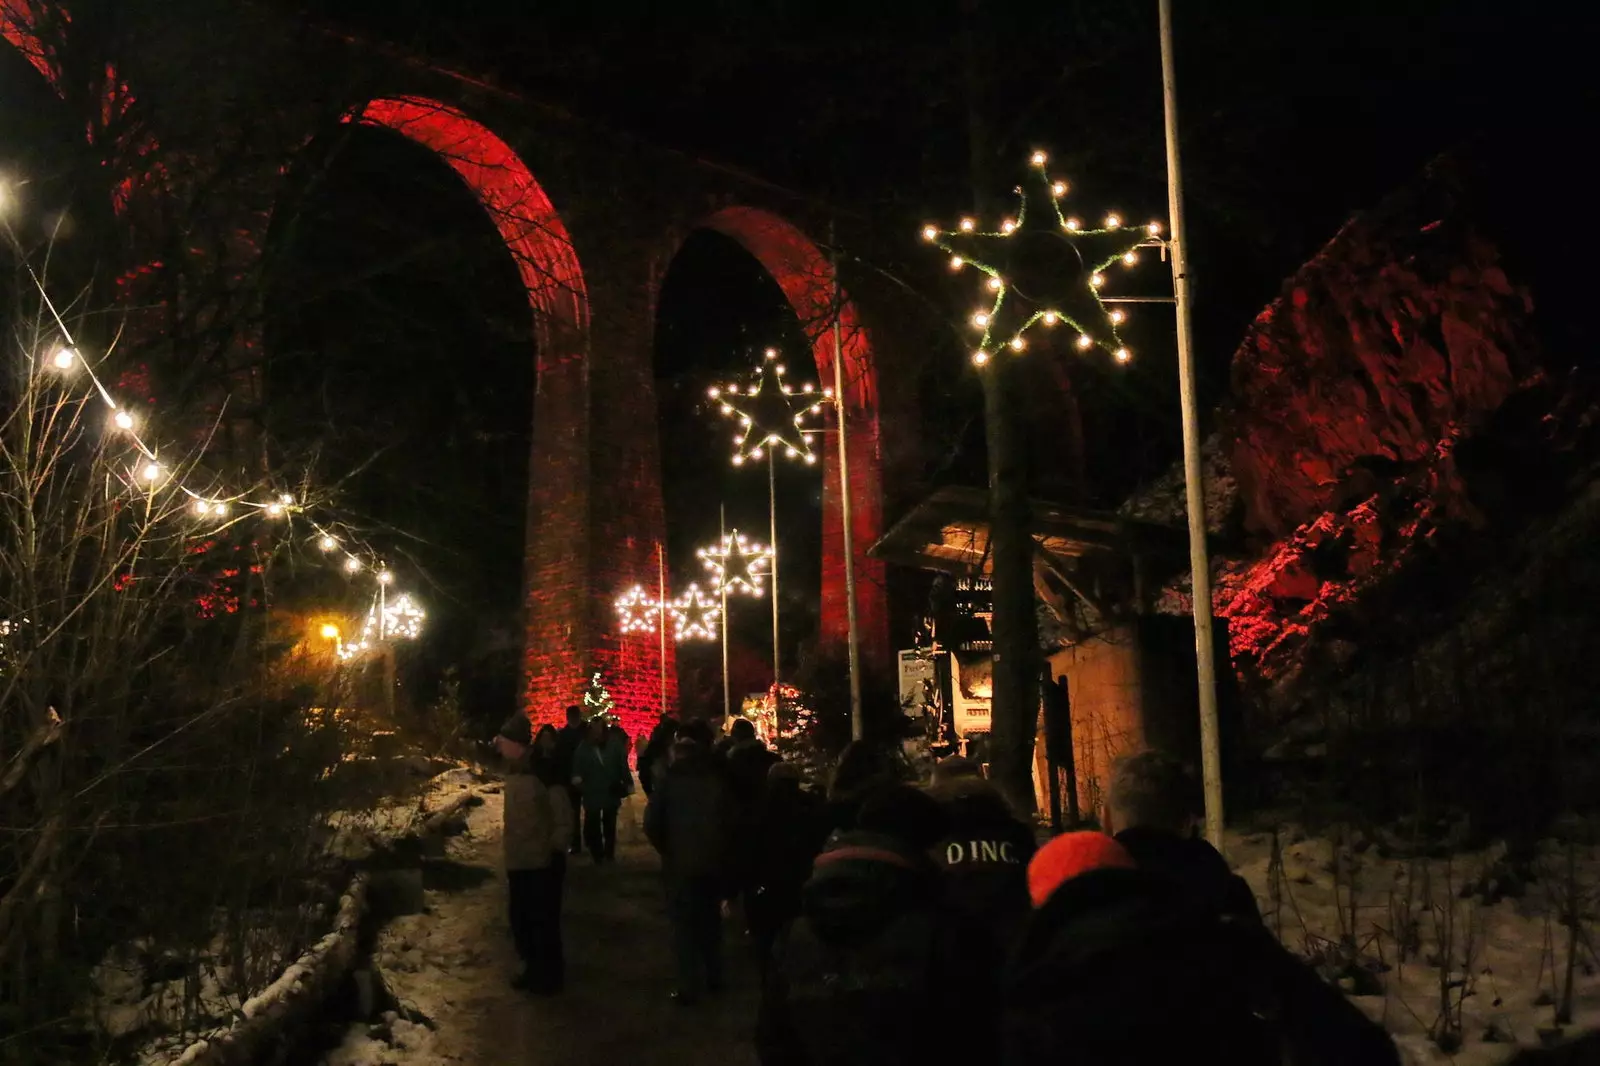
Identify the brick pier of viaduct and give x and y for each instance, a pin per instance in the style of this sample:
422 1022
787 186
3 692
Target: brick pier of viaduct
592 219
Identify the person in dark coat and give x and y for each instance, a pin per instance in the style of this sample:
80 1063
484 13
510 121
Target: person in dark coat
878 970
789 834
746 761
1155 807
862 768
654 752
1118 965
568 741
985 853
690 822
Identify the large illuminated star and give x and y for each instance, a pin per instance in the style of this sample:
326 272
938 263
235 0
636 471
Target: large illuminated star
639 612
737 564
1044 267
770 414
695 615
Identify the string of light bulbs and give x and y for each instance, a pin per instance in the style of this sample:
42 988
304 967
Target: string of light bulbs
149 474
1044 267
738 565
693 615
771 413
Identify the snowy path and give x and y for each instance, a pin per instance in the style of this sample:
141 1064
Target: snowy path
453 964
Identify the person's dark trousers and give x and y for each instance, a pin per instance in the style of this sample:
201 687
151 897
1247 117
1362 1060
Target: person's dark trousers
577 818
600 832
547 966
522 895
696 912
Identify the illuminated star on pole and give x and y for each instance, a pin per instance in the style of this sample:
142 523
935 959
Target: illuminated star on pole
695 615
771 413
737 565
638 611
1044 267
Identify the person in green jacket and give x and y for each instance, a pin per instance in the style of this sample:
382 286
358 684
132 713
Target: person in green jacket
600 774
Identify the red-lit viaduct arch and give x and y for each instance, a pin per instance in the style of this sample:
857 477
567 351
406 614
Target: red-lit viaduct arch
808 280
594 505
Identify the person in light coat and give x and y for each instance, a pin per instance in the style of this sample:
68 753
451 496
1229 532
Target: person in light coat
538 814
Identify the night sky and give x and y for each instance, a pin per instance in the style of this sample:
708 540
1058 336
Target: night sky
401 337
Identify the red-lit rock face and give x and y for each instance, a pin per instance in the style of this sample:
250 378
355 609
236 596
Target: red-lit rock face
1350 395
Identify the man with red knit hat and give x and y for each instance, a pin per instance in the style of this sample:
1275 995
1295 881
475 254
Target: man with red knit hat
1118 966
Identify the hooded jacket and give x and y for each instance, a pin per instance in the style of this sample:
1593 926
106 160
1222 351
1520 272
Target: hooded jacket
985 855
877 969
1121 968
690 820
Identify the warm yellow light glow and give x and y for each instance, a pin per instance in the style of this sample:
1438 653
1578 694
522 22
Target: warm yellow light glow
1154 229
772 353
1059 188
327 543
1017 344
1038 159
64 358
1113 221
151 472
967 225
274 510
929 232
330 631
352 564
384 577
1050 318
1008 225
713 392
202 507
995 284
1097 280
956 262
1073 224
1123 355
123 420
980 319
1117 317
980 357
1085 341
1131 258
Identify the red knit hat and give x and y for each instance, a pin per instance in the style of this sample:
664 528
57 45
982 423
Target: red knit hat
1069 855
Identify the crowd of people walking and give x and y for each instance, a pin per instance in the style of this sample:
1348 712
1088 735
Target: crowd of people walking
896 923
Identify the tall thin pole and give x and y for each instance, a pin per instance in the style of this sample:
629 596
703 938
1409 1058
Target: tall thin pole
857 726
727 698
661 569
772 509
1199 561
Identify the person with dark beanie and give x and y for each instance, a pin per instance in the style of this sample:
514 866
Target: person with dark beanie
537 815
877 959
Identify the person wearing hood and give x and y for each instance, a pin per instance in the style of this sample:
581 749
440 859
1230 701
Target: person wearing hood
878 970
789 833
538 815
1119 965
1155 805
690 822
985 853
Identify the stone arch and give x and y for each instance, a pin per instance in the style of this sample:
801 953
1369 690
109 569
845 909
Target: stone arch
808 280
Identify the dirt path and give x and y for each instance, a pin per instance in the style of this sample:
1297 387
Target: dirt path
453 965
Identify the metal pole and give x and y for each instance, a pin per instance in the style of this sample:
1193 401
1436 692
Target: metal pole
727 698
1199 561
772 508
857 726
661 564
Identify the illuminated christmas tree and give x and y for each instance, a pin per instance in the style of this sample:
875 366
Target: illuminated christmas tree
597 701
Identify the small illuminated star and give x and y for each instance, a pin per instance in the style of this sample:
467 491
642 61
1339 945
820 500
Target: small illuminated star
770 414
638 611
1044 267
695 615
737 565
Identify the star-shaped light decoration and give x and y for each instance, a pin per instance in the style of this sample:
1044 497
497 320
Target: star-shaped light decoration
1044 267
695 615
638 611
771 413
737 565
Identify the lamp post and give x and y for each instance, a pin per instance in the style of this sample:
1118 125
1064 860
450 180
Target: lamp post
770 414
857 724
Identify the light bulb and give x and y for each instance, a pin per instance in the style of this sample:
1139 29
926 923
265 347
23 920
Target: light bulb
956 262
727 410
713 392
929 232
1017 343
274 510
1050 318
1085 341
1123 355
772 353
980 319
327 543
151 471
1008 225
1131 258
221 508
1154 229
286 499
123 420
967 225
1113 221
980 357
1038 159
1097 280
352 564
827 392
64 358
995 283
755 453
202 507
791 453
808 387
1073 224
780 368
384 577
738 460
1059 188
811 457
1117 317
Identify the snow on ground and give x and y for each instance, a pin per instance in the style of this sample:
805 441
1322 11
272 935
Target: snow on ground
1507 957
451 965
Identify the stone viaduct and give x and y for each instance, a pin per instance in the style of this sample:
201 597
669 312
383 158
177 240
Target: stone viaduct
592 219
